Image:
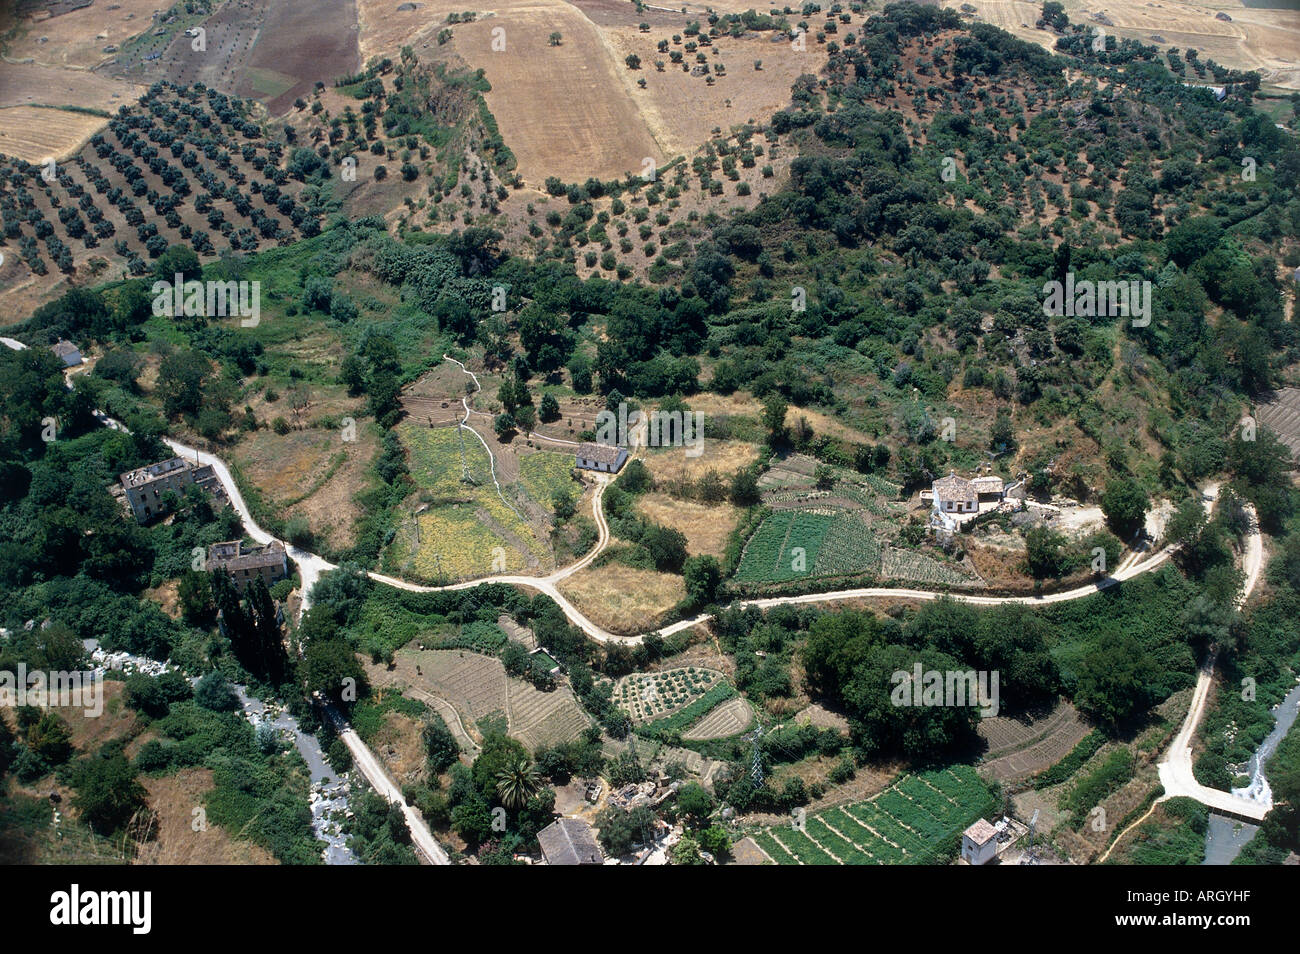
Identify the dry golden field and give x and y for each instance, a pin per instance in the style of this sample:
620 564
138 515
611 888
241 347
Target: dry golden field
575 110
1265 40
725 457
623 599
30 84
314 462
705 526
174 798
35 134
76 40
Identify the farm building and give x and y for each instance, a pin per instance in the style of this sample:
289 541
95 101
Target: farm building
954 500
569 841
244 564
987 488
605 458
953 494
145 486
979 843
68 352
1220 92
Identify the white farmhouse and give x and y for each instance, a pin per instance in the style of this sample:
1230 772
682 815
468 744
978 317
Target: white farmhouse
605 458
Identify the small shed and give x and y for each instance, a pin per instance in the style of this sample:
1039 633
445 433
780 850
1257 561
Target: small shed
605 458
68 352
569 841
979 843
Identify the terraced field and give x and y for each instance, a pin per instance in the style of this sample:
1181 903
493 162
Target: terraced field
722 721
1018 750
646 696
917 820
1282 416
900 564
475 684
540 719
477 687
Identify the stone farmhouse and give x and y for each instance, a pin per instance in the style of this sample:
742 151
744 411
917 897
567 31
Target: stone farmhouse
245 564
145 486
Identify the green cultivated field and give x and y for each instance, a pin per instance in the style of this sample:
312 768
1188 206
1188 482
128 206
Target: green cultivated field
917 820
834 544
769 556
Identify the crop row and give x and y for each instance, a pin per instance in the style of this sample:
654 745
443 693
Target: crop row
682 719
915 821
849 547
784 547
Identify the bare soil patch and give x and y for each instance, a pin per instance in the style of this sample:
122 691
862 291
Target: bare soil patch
622 599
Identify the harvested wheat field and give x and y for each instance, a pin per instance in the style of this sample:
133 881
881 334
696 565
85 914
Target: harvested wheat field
622 599
581 121
590 117
173 799
35 134
30 84
705 526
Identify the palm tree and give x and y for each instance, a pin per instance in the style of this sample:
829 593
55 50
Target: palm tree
517 784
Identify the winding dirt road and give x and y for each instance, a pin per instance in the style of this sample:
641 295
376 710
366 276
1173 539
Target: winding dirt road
1176 768
1175 771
